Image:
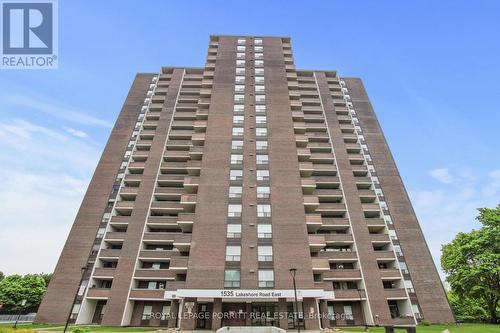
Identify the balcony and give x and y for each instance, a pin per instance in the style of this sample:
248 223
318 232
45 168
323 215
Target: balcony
299 127
327 181
188 201
334 256
304 154
308 185
171 207
198 139
171 180
384 255
98 293
115 236
301 140
316 242
320 264
168 237
185 221
162 220
104 272
324 169
338 208
313 222
380 238
349 294
193 167
375 222
147 294
155 274
179 264
396 293
306 169
335 223
109 253
311 202
326 158
342 274
329 194
390 273
319 146
191 184
158 254
338 238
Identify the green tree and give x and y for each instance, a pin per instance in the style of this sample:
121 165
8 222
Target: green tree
15 288
466 309
46 277
472 264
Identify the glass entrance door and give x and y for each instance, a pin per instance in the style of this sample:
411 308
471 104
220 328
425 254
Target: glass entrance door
264 314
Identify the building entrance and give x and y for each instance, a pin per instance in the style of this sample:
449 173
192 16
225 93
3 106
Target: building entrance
264 314
234 314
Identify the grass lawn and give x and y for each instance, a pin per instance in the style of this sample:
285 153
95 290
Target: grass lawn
55 328
464 328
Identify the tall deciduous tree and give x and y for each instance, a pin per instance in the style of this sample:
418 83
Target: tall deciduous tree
16 288
472 263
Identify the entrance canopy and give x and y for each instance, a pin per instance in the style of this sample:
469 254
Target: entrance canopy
255 294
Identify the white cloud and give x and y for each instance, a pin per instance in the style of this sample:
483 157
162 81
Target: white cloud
443 175
44 176
36 102
443 212
77 133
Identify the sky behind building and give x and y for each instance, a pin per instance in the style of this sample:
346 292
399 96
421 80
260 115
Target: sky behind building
430 69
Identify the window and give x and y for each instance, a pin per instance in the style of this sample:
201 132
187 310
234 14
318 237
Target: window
260 88
259 71
258 48
238 108
259 98
262 159
237 144
233 253
264 231
403 267
265 253
239 98
240 55
262 174
234 231
236 159
397 249
261 145
237 131
239 88
261 132
259 80
240 48
240 70
259 62
235 191
260 109
234 210
258 42
259 55
261 119
238 119
409 286
236 174
242 41
146 312
266 278
240 79
348 312
263 210
165 312
263 191
231 278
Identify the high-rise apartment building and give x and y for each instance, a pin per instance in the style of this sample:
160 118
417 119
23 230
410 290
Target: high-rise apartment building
217 181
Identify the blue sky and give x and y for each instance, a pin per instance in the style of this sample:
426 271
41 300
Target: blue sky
430 68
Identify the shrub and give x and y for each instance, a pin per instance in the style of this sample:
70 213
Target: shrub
425 323
81 330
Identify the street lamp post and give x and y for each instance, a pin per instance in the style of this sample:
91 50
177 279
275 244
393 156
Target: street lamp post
74 299
293 272
23 303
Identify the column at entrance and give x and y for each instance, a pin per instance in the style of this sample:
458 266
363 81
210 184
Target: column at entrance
323 309
188 314
282 314
311 315
174 313
216 319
